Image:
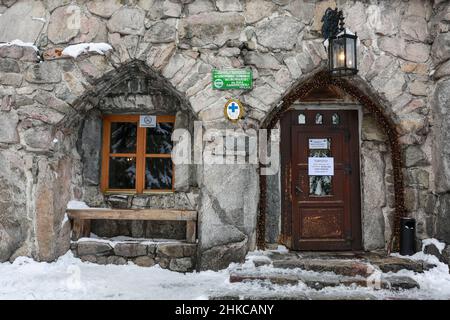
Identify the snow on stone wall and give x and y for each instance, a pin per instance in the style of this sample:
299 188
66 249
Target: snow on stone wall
403 56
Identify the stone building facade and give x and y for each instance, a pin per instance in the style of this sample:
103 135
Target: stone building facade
161 60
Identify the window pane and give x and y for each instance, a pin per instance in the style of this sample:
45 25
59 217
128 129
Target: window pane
335 118
122 173
319 118
159 138
320 185
158 173
123 137
301 118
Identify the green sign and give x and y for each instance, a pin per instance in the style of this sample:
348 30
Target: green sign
232 79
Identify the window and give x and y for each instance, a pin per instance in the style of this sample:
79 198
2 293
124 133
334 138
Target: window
137 159
335 119
301 118
319 118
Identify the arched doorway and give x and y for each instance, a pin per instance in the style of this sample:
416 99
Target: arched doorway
311 89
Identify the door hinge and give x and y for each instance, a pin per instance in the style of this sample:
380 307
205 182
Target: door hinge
348 168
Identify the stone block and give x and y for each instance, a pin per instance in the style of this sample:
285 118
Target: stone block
127 20
144 261
256 10
93 248
433 250
116 260
9 66
440 50
395 264
88 258
173 250
442 70
229 5
211 29
160 32
279 33
20 21
38 137
181 264
189 250
8 127
261 60
65 24
103 8
163 262
44 72
278 279
130 249
11 79
342 267
414 156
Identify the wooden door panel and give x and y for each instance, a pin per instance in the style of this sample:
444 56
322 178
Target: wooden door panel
324 223
324 215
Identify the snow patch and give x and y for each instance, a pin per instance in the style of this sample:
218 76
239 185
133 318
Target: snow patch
77 49
282 249
66 218
39 19
438 244
19 43
75 204
111 243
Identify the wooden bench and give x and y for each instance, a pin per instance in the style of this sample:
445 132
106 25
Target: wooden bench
81 218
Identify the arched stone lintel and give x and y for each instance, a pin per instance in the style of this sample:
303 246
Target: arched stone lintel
111 80
360 91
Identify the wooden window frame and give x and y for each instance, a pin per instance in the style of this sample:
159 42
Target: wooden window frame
140 154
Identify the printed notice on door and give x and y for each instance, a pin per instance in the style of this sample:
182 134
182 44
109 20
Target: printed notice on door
321 166
318 143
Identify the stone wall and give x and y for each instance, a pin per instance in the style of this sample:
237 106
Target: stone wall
403 58
175 256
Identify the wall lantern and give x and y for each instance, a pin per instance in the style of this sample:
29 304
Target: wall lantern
340 43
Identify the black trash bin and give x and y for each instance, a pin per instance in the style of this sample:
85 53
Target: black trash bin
407 236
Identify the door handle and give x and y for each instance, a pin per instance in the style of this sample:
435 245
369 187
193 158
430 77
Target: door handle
298 190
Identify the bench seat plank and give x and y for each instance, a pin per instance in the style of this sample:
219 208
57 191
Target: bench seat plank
127 214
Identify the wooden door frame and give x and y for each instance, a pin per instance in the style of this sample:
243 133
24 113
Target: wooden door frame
361 92
287 233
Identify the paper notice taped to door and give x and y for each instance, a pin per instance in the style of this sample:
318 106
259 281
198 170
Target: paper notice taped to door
321 166
318 143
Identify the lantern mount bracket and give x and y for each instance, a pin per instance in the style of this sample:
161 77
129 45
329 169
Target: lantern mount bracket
333 23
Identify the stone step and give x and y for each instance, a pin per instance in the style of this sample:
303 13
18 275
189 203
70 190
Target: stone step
321 281
338 266
317 295
395 264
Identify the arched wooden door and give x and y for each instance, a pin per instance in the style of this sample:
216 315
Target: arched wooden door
321 183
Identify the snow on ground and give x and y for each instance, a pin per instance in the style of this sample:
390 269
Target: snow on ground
77 49
70 278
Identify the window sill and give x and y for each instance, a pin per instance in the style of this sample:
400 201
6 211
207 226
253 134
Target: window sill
134 193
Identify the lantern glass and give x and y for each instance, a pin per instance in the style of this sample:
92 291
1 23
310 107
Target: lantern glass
342 54
339 53
350 52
